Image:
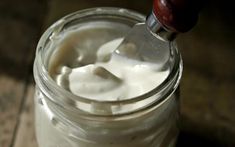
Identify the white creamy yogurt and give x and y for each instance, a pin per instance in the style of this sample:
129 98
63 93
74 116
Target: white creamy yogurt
112 77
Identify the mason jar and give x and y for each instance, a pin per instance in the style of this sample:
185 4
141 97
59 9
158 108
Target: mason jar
64 119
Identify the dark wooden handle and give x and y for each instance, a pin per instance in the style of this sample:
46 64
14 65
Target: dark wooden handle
177 15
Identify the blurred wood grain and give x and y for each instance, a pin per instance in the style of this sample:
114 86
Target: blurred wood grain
11 93
20 27
25 135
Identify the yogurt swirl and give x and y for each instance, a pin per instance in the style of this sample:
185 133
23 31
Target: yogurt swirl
111 76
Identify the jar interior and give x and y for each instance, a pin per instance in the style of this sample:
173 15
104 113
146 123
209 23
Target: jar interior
91 31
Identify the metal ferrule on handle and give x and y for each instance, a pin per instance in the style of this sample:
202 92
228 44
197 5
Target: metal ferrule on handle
158 29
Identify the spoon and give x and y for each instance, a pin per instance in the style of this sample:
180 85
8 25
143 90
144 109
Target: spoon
168 18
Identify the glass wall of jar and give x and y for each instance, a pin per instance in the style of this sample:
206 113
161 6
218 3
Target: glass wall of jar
64 119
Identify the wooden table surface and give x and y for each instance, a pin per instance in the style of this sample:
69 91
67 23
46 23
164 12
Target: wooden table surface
207 87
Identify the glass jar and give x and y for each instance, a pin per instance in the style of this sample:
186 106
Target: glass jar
67 120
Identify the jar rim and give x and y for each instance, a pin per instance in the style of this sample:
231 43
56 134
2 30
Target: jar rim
71 100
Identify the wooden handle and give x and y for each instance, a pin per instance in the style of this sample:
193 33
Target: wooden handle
177 15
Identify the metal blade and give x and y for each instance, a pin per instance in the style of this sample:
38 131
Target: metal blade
140 44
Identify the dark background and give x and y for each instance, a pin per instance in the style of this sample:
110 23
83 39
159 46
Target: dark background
207 87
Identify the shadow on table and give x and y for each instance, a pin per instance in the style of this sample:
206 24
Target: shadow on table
191 140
